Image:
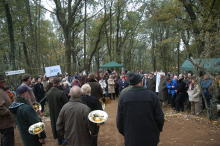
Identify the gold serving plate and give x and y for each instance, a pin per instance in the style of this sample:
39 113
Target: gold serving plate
37 106
36 128
98 116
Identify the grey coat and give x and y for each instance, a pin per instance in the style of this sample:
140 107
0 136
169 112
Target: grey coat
74 125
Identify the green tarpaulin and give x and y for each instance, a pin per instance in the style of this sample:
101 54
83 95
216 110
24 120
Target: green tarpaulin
111 64
210 64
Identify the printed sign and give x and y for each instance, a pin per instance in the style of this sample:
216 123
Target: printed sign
52 71
14 72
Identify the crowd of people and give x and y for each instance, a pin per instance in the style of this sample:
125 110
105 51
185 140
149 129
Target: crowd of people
189 92
71 98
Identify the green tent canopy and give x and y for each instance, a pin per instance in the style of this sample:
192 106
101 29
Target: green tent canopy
111 64
210 64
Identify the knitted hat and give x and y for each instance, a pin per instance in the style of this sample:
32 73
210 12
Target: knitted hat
22 89
134 78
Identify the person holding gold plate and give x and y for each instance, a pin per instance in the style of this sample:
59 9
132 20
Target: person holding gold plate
25 117
73 123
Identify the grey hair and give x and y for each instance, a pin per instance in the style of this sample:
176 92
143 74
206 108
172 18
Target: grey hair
86 89
75 92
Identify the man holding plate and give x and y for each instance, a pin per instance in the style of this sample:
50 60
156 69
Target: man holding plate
73 123
26 116
140 118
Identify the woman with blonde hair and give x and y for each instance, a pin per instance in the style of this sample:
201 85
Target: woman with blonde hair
93 103
194 96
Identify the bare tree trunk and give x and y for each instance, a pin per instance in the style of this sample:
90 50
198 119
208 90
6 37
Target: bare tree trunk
96 47
85 34
67 25
74 64
97 61
25 51
34 43
10 33
67 44
194 22
117 49
38 33
110 21
178 57
106 33
154 63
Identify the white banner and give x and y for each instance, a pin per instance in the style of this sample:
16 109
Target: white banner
158 76
52 71
14 72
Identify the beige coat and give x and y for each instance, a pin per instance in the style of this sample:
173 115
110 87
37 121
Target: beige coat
111 86
194 94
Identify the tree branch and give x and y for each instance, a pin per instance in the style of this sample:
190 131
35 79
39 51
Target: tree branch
52 12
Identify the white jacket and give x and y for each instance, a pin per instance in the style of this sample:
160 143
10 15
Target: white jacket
103 85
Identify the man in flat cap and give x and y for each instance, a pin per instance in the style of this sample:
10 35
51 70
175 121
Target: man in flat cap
140 118
26 116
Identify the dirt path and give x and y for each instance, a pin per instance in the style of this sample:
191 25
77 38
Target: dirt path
179 130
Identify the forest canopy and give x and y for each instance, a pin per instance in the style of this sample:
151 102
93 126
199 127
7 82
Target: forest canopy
149 35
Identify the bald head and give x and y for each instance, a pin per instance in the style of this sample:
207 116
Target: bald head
75 92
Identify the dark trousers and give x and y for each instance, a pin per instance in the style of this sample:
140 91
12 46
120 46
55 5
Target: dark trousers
112 96
169 98
94 140
7 137
179 102
173 99
43 104
95 136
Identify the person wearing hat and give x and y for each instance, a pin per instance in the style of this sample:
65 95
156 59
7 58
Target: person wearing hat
56 98
26 116
6 118
140 118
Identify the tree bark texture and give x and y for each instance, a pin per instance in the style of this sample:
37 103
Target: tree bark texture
10 33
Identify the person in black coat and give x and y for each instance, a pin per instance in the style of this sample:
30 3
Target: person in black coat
182 94
39 92
96 89
91 101
56 98
94 104
140 118
151 82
